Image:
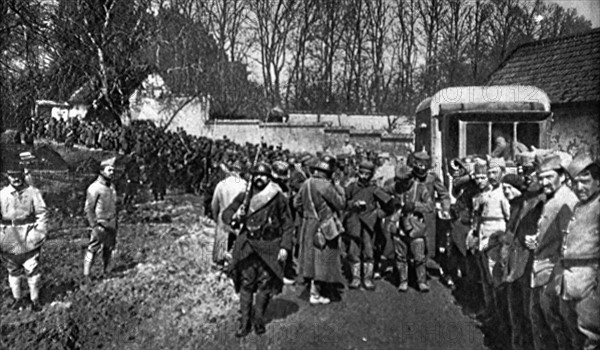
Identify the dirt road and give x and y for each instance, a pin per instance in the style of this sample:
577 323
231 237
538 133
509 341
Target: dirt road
383 319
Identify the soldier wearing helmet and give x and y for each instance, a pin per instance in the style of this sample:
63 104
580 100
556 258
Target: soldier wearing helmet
317 200
411 202
362 206
264 242
281 177
437 191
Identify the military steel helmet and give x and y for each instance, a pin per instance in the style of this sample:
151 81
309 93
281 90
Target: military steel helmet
330 159
323 166
367 165
262 169
281 170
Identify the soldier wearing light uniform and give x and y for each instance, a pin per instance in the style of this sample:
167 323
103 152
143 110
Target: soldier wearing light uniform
545 243
578 271
101 212
491 213
23 232
225 191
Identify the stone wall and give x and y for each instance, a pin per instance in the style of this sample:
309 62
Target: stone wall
576 126
359 122
307 138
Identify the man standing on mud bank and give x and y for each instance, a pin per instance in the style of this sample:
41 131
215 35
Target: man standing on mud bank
101 212
261 248
23 231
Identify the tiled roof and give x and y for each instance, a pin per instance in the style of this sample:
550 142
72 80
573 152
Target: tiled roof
567 69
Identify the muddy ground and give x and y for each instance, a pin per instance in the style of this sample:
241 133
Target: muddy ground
164 294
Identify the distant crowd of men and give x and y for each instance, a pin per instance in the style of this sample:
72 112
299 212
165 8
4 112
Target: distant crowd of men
522 240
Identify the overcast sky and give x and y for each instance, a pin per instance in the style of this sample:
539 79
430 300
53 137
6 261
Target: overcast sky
590 9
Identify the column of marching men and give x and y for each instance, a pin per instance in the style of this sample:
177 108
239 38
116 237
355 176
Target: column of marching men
524 245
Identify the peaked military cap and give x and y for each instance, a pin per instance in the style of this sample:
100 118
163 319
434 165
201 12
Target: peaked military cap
497 163
547 161
422 156
581 162
108 162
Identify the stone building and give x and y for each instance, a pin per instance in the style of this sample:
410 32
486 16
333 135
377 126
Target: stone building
568 70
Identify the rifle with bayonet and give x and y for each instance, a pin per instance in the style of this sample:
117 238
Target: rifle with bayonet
240 221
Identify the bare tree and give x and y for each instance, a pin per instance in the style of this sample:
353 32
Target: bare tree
354 44
479 39
405 50
227 20
329 33
103 42
378 29
431 13
24 44
272 22
297 84
455 34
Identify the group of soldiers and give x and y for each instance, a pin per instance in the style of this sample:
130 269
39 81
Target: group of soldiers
526 243
521 238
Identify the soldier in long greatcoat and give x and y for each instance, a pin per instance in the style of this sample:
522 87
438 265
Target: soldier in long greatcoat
260 250
321 266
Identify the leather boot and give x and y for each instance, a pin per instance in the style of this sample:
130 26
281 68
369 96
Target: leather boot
34 291
88 261
368 278
421 271
402 277
106 258
260 307
246 310
355 276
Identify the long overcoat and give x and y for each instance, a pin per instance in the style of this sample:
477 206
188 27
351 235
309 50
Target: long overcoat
268 229
319 264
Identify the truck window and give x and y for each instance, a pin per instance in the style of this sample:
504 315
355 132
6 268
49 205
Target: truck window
477 139
528 134
497 139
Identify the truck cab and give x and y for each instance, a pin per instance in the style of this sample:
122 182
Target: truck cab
481 120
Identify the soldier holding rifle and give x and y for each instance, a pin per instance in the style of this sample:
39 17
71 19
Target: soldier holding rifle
263 245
